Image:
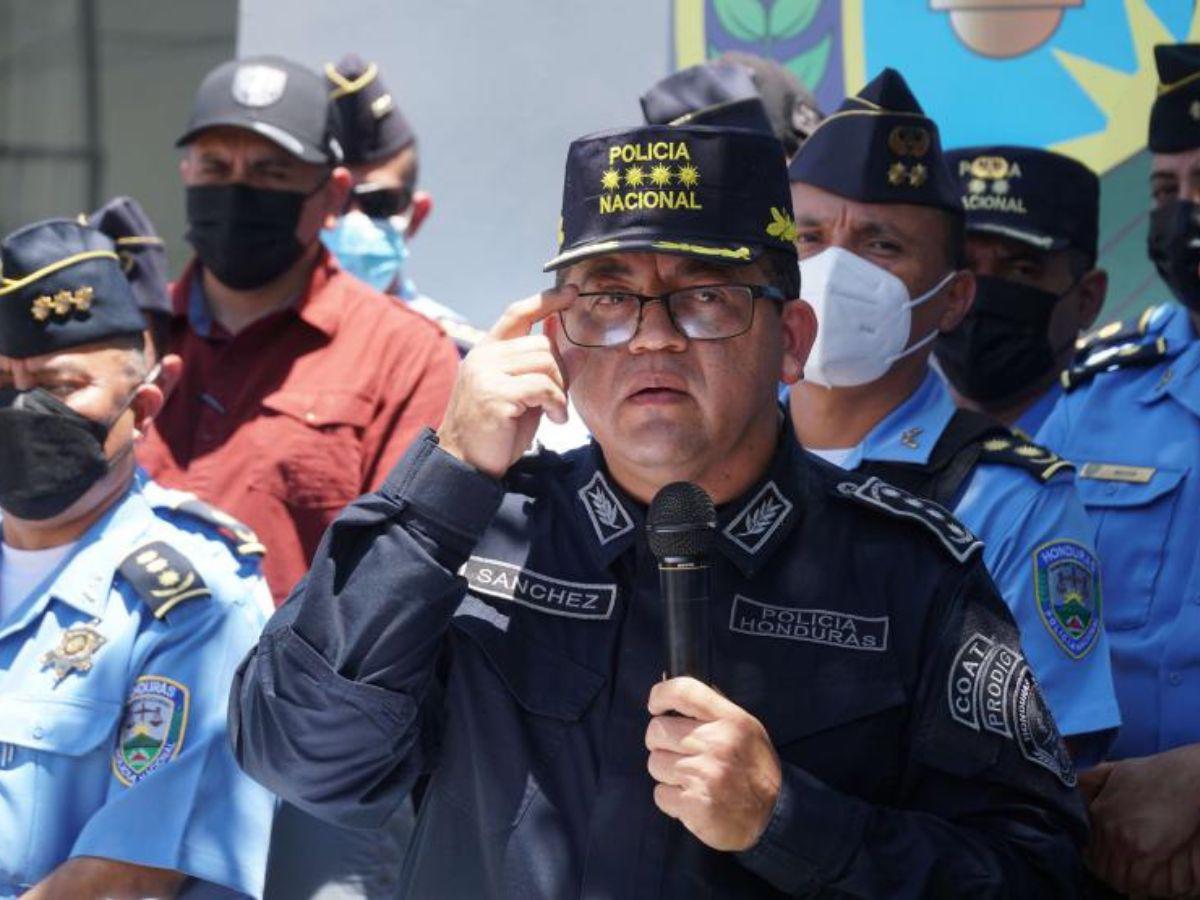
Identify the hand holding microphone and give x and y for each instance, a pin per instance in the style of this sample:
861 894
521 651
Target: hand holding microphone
716 769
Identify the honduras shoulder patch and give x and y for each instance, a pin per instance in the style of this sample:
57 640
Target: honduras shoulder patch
152 731
1066 582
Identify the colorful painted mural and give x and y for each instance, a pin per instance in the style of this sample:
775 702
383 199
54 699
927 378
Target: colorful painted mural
1075 76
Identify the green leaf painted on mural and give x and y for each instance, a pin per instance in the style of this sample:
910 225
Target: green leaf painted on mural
790 17
746 20
810 65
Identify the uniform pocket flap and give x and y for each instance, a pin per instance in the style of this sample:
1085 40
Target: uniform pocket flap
1109 486
71 727
543 681
321 408
830 706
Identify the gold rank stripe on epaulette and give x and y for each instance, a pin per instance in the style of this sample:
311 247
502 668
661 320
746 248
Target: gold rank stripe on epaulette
1109 359
1035 459
1119 332
162 577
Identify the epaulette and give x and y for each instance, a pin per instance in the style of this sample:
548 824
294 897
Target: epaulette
1116 333
1043 464
162 577
1105 358
240 538
878 494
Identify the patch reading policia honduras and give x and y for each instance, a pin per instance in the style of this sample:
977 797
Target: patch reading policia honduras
153 728
991 688
813 626
573 599
1066 580
720 194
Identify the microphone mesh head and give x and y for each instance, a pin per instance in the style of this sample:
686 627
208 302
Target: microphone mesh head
681 522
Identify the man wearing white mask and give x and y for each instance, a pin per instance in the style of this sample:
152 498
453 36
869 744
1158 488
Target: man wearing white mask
880 238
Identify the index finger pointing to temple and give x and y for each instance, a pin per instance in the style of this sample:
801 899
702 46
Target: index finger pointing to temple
518 320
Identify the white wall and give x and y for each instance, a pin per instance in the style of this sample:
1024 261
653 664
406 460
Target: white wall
495 89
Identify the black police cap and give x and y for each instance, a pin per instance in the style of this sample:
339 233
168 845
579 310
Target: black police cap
61 286
143 255
791 107
712 93
879 147
719 194
370 125
1175 115
1038 197
271 96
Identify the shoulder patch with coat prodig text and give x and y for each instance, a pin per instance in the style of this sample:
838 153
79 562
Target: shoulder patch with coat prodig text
153 728
573 599
953 535
991 688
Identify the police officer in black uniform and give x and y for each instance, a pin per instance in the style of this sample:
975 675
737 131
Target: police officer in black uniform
492 620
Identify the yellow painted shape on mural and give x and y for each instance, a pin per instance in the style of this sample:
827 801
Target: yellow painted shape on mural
690 49
1123 97
854 54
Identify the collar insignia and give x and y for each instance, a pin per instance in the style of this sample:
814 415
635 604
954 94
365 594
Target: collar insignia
910 437
609 518
74 651
751 528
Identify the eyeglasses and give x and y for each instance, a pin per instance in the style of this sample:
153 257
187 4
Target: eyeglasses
707 312
380 202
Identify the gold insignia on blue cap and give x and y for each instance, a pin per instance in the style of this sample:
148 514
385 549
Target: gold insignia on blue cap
910 140
645 171
989 183
62 303
782 225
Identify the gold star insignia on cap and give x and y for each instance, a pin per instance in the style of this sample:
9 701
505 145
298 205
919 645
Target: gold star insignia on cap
897 174
62 303
634 176
660 175
917 175
610 180
75 649
689 175
1194 110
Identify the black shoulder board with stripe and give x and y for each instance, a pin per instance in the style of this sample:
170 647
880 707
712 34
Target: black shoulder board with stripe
1043 464
162 577
955 537
1108 359
243 541
1115 333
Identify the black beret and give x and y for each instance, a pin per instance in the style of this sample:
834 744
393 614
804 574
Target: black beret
1175 115
370 125
708 94
143 255
879 147
1034 196
719 194
61 286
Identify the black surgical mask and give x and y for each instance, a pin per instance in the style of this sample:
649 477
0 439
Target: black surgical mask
1174 247
1002 346
50 455
245 236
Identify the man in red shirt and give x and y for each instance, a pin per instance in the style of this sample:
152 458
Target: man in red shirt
301 385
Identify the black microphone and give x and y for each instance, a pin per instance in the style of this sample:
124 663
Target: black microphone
681 527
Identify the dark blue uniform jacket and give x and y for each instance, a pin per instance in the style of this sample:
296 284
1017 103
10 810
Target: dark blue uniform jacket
502 639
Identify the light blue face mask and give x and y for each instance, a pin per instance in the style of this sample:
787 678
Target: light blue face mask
373 250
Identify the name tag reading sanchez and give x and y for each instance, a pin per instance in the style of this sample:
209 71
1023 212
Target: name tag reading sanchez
576 600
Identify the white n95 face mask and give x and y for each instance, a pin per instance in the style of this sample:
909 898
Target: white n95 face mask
864 317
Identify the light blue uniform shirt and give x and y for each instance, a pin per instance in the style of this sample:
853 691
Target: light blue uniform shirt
1134 435
1031 421
127 757
1022 523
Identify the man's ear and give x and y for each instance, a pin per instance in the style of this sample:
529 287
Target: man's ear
337 189
1091 291
798 323
960 294
422 206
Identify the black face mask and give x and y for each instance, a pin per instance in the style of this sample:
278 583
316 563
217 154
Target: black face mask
50 455
245 236
1002 346
1174 247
